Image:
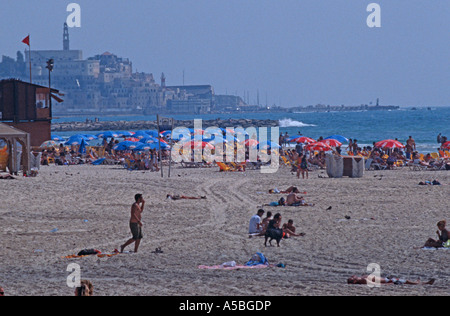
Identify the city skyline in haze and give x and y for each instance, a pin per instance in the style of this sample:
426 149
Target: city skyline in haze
296 53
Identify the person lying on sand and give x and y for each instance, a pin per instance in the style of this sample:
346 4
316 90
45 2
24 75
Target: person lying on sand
296 200
287 191
376 280
289 230
7 177
182 197
443 236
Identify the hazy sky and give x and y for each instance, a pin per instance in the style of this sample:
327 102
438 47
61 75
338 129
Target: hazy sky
298 52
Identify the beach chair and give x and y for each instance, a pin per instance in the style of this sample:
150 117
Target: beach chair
416 166
379 166
224 167
435 156
444 155
286 162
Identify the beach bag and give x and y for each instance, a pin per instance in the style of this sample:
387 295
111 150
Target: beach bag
257 259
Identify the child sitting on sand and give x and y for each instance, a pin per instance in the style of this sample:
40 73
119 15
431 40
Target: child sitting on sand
443 237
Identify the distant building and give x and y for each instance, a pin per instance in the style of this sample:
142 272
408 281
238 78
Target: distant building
106 83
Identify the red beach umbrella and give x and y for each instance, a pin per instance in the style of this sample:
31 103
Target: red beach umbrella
332 142
194 144
251 143
446 145
304 140
389 143
319 146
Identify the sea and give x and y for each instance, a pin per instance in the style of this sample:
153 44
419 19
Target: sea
423 124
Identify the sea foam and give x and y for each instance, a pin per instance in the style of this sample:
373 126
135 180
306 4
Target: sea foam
292 123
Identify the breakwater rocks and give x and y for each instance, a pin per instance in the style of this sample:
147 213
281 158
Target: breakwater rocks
152 125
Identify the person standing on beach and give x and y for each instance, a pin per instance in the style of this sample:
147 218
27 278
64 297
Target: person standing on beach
135 223
410 147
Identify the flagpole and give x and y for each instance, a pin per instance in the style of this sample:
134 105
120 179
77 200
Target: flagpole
29 56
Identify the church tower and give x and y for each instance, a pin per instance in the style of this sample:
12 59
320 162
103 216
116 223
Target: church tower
66 37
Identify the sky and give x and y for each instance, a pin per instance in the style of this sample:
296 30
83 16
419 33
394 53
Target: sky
294 52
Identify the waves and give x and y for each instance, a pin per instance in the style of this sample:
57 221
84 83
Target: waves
292 123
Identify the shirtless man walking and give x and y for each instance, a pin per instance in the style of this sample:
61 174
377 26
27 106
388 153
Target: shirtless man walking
135 223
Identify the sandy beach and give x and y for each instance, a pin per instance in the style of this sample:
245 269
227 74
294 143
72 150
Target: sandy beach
69 208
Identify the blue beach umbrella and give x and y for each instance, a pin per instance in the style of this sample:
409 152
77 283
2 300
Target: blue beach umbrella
125 134
142 147
76 140
82 149
153 133
108 134
339 138
156 146
126 145
90 137
141 134
148 140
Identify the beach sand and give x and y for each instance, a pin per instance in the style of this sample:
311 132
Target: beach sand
391 216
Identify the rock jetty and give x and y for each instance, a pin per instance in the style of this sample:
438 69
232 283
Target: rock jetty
152 125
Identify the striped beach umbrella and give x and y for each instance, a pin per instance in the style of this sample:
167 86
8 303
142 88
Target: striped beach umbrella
49 144
389 143
318 147
332 142
302 140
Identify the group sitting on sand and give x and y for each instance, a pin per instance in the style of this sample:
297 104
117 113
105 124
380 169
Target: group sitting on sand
259 226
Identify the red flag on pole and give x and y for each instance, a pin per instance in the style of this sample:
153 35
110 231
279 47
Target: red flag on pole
26 40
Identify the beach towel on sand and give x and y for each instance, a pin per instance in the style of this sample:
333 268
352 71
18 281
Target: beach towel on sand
93 252
257 261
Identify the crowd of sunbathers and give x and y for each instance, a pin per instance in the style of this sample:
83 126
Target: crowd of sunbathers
65 156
